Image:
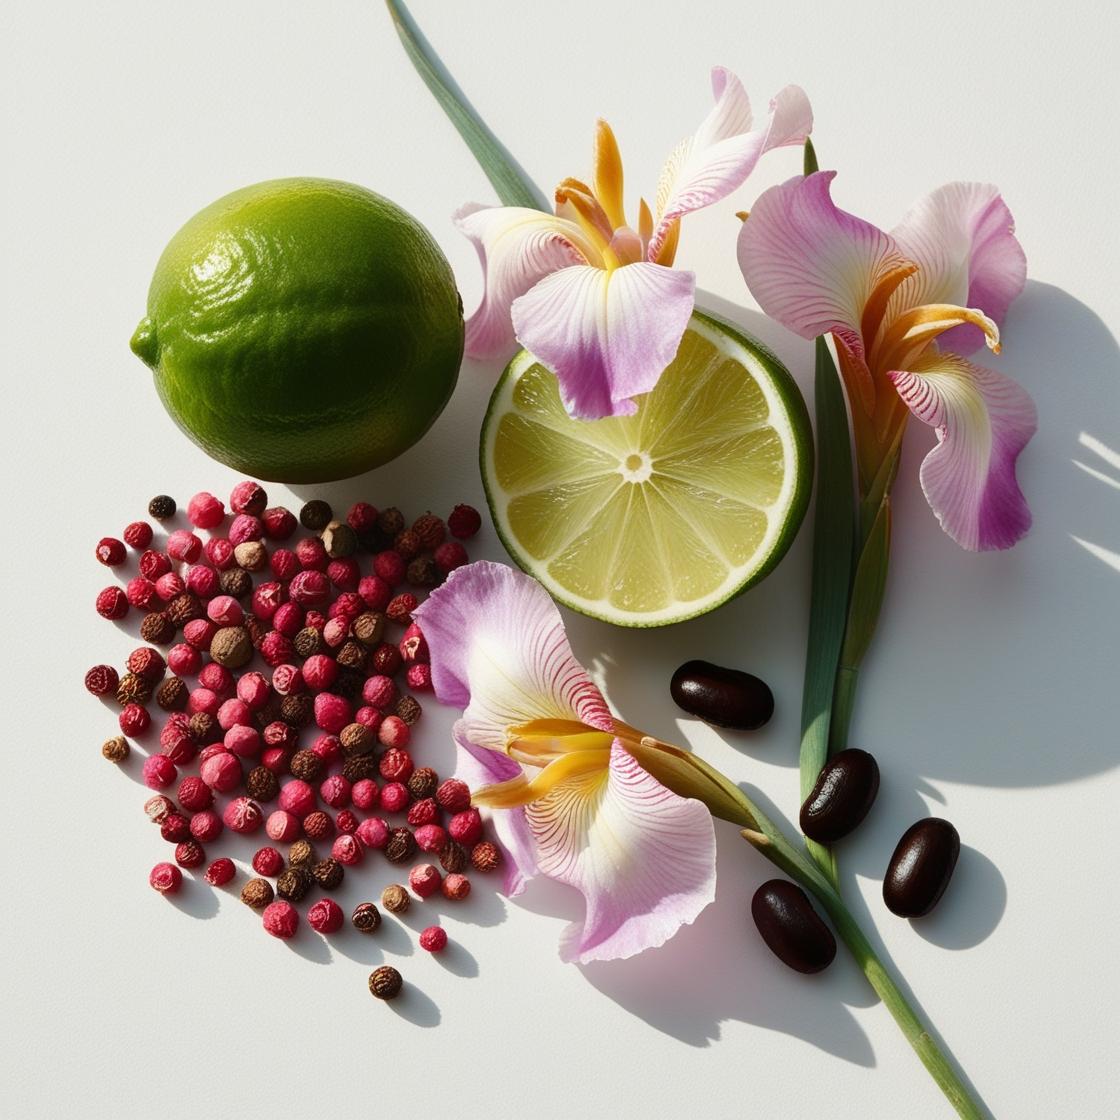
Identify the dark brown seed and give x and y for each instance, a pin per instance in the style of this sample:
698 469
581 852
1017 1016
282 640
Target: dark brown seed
921 867
725 697
390 521
791 928
422 782
293 884
366 917
401 845
172 695
257 893
315 515
297 710
308 642
328 873
339 540
301 854
842 796
236 582
306 765
385 982
161 507
262 784
157 628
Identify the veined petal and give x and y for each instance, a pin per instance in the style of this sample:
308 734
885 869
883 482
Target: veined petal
517 246
499 652
962 236
812 266
642 857
607 335
723 151
982 420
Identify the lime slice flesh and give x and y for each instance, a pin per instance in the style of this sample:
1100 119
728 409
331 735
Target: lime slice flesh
650 519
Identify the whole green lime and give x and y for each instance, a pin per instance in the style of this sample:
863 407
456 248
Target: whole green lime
303 330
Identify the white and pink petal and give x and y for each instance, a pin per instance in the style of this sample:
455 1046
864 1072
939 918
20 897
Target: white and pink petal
983 420
607 335
642 857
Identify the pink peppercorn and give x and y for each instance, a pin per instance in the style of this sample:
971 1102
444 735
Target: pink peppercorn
102 680
348 605
336 631
220 872
424 811
431 838
332 712
242 815
204 700
311 554
347 850
276 759
390 566
137 534
465 827
400 608
210 751
449 556
319 671
394 733
327 748
225 610
369 717
110 551
253 689
464 521
220 553
248 497
276 648
365 795
112 603
344 573
217 678
380 691
280 919
375 592
288 620
279 523
175 738
170 586
202 580
134 719
184 545
345 821
297 797
245 527
279 734
414 646
174 827
282 826
335 791
184 660
287 680
373 832
140 592
419 678
199 632
267 862
234 713
204 511
158 808
362 517
194 794
456 887
424 879
205 826
189 854
165 878
325 916
154 564
396 763
394 797
454 795
433 939
221 771
159 771
315 619
242 740
267 600
284 564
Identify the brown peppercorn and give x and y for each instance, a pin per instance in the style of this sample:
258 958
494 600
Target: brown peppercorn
430 529
352 655
453 857
235 582
297 710
386 659
390 521
400 608
385 982
262 784
348 684
395 899
306 765
157 628
172 695
328 873
232 647
293 884
133 689
315 515
485 856
401 845
185 608
357 739
422 782
202 725
115 749
256 629
359 766
251 556
308 642
407 543
368 628
257 893
408 709
339 540
270 713
161 507
422 572
301 854
366 917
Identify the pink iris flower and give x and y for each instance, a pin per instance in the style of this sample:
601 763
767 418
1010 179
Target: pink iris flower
904 309
538 744
595 299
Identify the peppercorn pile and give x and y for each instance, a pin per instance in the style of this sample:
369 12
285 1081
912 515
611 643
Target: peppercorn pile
313 746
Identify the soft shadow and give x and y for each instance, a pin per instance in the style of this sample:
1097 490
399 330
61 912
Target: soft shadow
972 905
415 1006
457 960
196 898
482 907
309 944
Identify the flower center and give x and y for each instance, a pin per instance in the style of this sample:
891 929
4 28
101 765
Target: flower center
636 467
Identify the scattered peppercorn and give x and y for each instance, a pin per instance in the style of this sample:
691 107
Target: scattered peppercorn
366 917
339 540
454 795
328 873
430 529
235 582
325 916
171 696
293 884
308 642
267 861
400 608
385 982
298 710
102 680
157 627
433 939
407 544
134 720
185 608
456 887
133 689
315 515
161 507
167 879
280 919
395 899
422 782
159 808
425 879
257 893
401 846
422 572
301 854
318 825
485 856
262 784
306 764
189 853
453 857
232 647
137 534
356 739
464 521
220 872
115 749
202 726
368 628
112 603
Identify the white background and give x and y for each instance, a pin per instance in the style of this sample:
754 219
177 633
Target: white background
990 695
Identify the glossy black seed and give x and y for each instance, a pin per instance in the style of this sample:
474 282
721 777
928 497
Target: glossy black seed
791 928
725 697
921 867
844 793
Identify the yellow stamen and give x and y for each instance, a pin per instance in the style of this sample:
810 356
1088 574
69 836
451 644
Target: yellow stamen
742 215
590 215
880 296
521 791
541 741
608 174
908 335
645 222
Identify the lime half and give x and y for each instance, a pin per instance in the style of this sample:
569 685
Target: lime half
653 518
